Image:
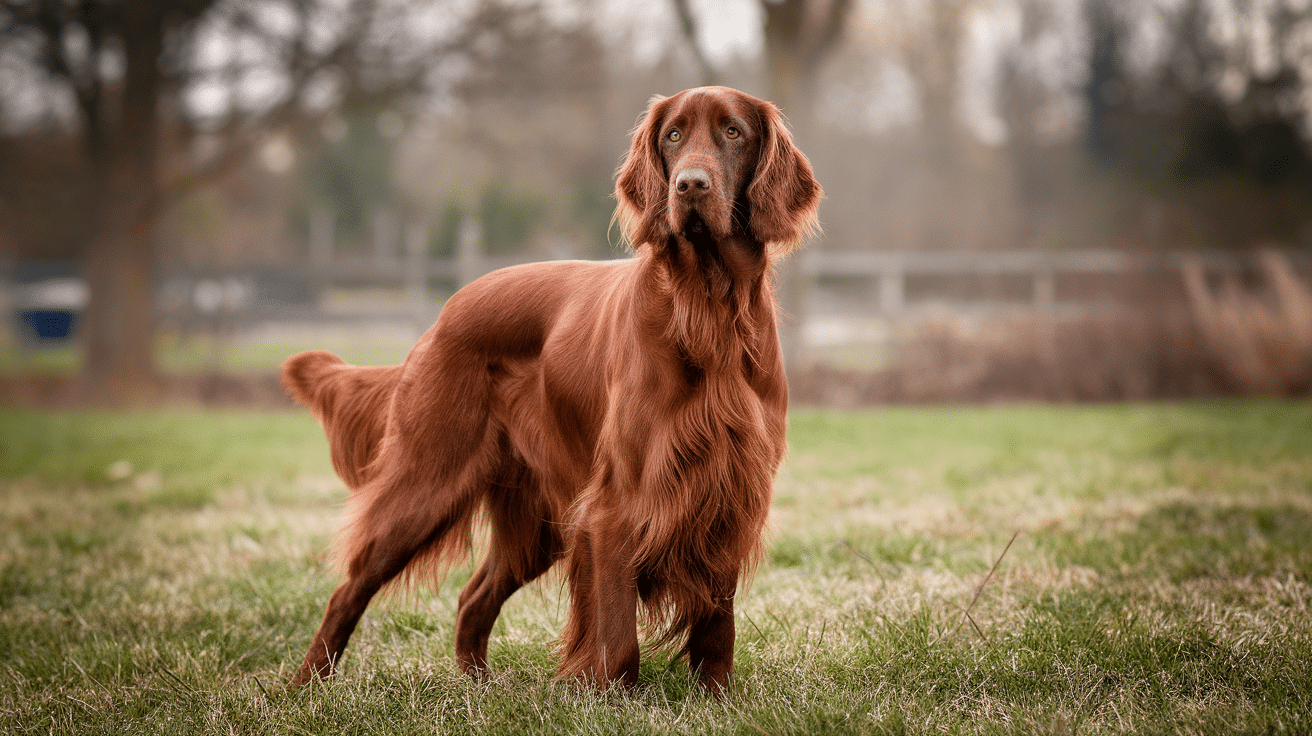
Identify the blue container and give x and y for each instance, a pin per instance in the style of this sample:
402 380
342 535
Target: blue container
49 324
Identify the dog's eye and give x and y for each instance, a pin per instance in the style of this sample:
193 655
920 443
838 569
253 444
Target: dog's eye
674 136
732 132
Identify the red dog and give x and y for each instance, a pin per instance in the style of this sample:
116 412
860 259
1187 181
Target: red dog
626 417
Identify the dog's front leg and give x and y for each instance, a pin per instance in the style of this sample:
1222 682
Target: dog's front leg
711 641
601 640
616 622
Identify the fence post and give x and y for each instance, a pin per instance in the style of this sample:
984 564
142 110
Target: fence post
469 251
416 271
892 290
384 236
321 238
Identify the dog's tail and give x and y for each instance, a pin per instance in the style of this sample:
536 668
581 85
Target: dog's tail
350 403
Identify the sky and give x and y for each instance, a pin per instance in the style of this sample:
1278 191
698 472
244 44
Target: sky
880 94
726 28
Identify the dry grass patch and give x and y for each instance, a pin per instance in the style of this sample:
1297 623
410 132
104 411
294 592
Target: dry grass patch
1160 583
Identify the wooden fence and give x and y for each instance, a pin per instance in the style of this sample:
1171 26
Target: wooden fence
888 284
873 284
1041 272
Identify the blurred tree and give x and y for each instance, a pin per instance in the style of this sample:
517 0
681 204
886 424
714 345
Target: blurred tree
1220 116
800 35
528 127
508 216
1107 82
688 25
171 94
351 177
933 55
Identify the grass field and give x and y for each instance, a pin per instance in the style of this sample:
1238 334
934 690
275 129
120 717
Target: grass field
162 572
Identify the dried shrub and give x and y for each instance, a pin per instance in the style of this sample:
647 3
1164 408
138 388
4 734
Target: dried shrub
209 390
1249 342
1153 355
1260 341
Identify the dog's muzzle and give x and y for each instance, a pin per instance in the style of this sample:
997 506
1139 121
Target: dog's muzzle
692 181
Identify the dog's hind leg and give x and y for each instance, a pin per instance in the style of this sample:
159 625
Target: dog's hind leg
495 581
400 519
523 544
434 466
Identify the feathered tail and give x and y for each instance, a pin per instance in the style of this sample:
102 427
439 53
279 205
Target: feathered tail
350 403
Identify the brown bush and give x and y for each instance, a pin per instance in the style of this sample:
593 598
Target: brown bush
1106 358
1243 342
209 390
1260 342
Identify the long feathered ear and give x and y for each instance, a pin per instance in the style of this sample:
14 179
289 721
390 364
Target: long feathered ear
784 194
641 184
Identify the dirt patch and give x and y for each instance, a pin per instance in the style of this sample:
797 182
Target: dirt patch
209 390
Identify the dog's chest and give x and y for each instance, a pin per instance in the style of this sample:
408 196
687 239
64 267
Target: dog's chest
715 451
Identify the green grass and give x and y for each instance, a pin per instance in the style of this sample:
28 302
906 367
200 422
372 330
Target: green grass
162 572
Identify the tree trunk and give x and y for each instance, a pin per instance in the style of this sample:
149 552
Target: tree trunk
118 329
797 40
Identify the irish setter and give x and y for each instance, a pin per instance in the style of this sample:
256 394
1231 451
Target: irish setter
626 417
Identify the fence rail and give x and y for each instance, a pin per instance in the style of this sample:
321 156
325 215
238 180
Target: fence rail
1036 276
399 254
1035 280
890 271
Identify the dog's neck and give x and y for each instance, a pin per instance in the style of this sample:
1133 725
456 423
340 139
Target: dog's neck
718 296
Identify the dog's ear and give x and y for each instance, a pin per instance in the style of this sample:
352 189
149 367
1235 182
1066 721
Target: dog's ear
784 194
641 184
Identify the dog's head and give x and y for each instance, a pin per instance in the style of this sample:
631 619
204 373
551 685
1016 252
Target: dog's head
713 162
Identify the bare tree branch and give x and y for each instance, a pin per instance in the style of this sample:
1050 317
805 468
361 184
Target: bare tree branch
19 13
136 127
688 24
831 31
53 19
244 134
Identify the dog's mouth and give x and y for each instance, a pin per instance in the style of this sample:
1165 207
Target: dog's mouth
695 226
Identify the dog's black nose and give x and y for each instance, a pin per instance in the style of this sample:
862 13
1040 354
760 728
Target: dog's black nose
690 179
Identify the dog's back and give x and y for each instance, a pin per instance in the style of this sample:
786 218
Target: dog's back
350 403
